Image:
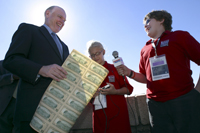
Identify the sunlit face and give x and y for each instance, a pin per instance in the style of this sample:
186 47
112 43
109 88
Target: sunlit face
97 54
55 19
153 27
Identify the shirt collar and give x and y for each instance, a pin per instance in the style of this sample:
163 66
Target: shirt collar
49 29
163 34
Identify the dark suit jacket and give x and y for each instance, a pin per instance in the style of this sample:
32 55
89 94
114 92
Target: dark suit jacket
7 88
31 48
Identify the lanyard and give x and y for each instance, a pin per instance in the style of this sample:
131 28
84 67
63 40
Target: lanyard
154 46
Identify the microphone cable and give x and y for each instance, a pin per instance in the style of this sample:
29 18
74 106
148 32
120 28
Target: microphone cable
118 62
103 112
129 103
116 114
107 121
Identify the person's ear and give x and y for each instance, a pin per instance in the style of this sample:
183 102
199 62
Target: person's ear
162 21
104 52
47 13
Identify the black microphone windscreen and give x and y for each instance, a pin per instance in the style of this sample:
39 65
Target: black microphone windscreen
115 54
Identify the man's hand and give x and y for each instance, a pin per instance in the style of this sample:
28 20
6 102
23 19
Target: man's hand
53 71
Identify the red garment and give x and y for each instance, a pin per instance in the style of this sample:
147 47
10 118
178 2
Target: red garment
182 48
116 111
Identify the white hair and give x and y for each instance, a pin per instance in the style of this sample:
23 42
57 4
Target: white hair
93 43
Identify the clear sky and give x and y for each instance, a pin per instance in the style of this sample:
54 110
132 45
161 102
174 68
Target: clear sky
117 24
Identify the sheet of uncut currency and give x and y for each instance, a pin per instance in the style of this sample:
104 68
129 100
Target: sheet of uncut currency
63 101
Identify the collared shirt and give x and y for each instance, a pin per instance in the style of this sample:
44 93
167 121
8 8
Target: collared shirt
49 29
180 48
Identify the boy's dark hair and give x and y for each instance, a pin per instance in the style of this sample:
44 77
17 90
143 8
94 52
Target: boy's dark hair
159 15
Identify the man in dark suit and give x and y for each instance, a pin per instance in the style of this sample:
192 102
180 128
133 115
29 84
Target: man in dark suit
8 85
36 57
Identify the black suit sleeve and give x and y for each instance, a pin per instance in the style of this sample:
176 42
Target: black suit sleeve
16 59
5 77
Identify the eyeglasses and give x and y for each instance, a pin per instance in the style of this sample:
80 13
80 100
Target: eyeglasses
96 54
147 21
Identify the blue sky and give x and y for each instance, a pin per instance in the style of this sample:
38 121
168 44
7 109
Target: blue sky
118 24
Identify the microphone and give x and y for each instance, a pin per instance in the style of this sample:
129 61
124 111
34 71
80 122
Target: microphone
118 60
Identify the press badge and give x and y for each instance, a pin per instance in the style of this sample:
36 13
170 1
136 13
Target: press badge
159 67
111 78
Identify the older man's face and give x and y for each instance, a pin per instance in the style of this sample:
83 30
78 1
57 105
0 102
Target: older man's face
55 19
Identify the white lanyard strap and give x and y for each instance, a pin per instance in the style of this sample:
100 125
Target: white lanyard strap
154 46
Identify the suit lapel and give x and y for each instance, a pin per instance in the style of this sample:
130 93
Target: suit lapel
65 51
50 40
